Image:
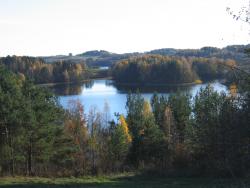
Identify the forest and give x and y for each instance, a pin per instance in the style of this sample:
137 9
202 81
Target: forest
170 70
37 70
137 69
207 135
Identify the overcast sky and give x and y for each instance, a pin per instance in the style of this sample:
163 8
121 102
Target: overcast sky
52 27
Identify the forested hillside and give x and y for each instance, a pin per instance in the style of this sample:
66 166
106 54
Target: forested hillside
104 58
92 58
169 70
235 52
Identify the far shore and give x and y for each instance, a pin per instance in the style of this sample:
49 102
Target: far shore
155 84
128 84
82 81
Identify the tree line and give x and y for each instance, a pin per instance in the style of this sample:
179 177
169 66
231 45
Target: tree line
235 52
138 69
169 70
104 58
176 135
40 72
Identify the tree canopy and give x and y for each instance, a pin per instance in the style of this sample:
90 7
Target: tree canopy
168 70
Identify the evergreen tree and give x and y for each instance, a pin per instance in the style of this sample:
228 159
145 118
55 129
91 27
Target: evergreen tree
119 143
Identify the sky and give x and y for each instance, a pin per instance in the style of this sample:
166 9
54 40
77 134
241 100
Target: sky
53 27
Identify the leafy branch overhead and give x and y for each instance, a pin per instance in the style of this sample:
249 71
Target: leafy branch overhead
243 14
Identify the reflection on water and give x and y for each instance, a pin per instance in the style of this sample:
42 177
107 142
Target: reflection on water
97 92
151 89
71 89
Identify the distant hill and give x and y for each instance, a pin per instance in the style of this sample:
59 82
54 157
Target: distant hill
96 53
105 58
235 52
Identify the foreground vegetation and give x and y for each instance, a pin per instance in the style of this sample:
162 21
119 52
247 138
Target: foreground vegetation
124 181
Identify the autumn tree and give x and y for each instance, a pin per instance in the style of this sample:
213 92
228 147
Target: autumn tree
167 69
94 129
76 128
39 71
119 143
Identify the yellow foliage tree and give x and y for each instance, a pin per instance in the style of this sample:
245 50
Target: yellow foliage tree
233 90
125 129
147 111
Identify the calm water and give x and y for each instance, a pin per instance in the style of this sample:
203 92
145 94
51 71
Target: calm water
95 93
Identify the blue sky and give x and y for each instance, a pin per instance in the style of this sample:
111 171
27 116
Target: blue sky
52 27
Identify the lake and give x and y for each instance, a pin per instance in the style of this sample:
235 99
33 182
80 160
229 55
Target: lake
96 93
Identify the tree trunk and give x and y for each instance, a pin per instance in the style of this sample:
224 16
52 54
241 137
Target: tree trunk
30 157
12 158
9 141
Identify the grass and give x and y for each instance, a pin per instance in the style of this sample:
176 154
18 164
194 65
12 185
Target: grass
123 181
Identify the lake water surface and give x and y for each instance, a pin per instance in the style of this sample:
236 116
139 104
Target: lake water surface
96 92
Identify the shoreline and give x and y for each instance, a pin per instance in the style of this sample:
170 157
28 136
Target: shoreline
82 81
130 84
222 81
155 84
